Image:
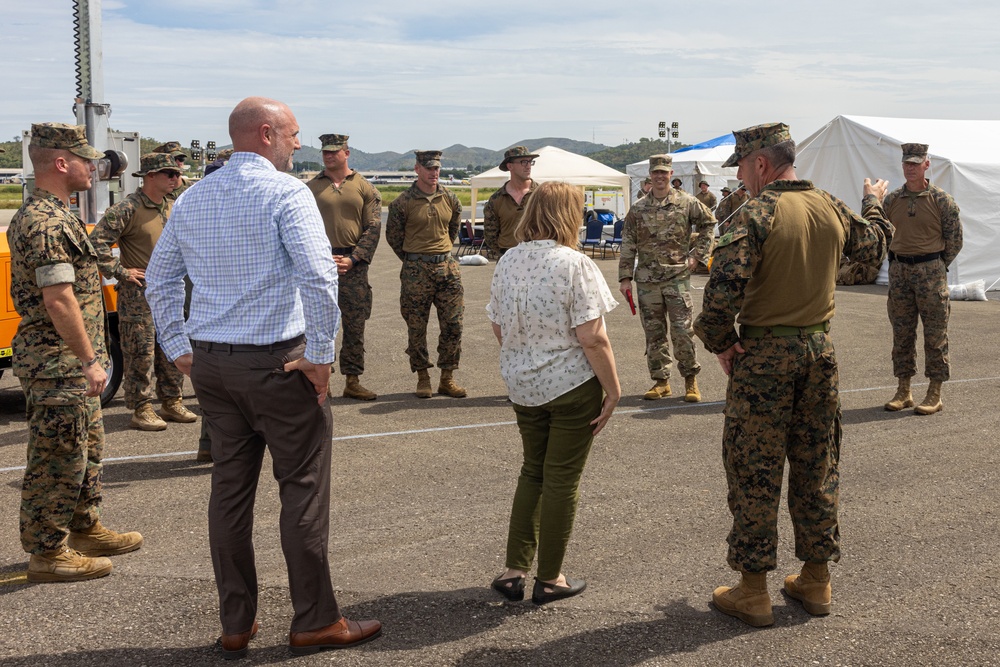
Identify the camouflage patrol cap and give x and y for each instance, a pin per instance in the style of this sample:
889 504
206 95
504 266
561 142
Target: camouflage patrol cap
660 163
754 138
515 152
916 153
72 138
153 162
333 142
172 147
647 181
428 158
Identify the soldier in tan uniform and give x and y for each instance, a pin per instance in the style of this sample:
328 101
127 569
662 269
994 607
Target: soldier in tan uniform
59 357
504 207
773 273
644 188
658 230
135 224
352 213
421 229
173 149
705 196
928 239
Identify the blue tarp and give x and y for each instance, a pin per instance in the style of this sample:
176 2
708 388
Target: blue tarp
724 140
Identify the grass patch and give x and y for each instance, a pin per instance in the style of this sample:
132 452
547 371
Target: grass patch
10 196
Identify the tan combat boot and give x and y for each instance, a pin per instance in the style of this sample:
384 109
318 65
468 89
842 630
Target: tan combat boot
749 601
448 387
64 564
173 410
811 587
424 384
100 541
691 393
932 402
903 397
144 419
659 390
354 389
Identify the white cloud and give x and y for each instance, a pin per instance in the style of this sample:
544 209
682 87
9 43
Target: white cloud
395 76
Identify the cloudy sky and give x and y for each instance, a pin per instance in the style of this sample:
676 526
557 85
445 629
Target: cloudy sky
400 75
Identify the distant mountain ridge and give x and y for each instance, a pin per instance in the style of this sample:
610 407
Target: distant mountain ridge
456 156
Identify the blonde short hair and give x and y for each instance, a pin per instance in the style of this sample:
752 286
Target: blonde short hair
554 212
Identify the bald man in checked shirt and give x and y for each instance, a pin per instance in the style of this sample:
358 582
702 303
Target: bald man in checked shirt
262 321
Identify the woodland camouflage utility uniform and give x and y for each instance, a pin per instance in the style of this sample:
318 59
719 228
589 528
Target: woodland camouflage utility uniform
782 401
61 491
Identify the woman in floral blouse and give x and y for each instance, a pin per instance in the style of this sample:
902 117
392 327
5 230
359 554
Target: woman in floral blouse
547 305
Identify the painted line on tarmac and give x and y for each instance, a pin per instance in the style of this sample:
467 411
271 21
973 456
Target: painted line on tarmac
19 578
628 411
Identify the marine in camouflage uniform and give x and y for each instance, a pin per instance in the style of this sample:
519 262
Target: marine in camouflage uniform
782 400
421 229
502 211
706 196
658 231
173 149
352 213
60 366
135 224
928 239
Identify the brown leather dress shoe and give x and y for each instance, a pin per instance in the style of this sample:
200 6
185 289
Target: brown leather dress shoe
235 646
342 634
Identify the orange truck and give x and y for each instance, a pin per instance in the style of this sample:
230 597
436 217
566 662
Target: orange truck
9 320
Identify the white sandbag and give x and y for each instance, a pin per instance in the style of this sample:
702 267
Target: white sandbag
974 291
473 260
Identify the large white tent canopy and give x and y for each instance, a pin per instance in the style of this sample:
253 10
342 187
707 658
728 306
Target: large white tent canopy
555 164
693 164
965 162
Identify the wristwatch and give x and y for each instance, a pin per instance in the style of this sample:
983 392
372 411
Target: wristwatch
88 364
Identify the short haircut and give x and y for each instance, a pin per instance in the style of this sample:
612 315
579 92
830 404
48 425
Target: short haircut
554 212
42 159
780 154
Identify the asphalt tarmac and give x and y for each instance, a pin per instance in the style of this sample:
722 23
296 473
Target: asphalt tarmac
422 492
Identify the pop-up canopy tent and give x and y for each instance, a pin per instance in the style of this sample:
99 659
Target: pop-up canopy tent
965 162
555 164
693 164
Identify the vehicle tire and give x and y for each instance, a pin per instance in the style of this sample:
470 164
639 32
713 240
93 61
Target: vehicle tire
115 371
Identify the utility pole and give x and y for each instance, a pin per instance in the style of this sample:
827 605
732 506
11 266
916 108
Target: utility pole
673 132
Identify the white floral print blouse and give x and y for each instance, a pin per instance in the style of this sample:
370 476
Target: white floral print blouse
541 292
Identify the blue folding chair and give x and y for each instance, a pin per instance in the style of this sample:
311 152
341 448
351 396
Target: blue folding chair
615 242
595 232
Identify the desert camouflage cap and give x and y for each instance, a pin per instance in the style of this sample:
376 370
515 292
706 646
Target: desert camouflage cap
754 138
334 142
515 152
428 158
72 138
660 163
153 162
915 152
225 154
172 147
726 189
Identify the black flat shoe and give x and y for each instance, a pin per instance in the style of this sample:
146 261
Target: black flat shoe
514 592
539 596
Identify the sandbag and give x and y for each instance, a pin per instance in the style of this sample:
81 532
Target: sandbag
974 291
473 260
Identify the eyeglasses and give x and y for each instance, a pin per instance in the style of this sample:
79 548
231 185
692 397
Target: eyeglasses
172 174
525 163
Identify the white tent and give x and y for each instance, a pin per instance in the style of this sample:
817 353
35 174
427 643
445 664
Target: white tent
555 164
965 162
693 164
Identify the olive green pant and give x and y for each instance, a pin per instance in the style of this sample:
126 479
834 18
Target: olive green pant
556 438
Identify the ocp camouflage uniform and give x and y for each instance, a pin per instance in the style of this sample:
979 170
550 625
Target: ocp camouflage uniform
61 491
927 223
352 215
782 399
659 233
421 229
500 217
135 224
